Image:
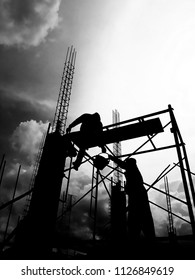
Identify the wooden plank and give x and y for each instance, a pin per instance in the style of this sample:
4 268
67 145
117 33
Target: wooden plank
117 134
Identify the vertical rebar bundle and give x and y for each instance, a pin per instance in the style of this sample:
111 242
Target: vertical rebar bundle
171 229
59 123
117 175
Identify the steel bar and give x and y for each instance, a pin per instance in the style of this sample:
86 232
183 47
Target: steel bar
136 119
172 212
91 199
149 151
177 164
135 152
175 134
149 137
176 198
15 199
95 208
2 173
86 193
158 178
68 180
2 161
10 210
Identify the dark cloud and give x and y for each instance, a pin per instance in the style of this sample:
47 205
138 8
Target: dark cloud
27 23
13 111
82 224
184 228
20 71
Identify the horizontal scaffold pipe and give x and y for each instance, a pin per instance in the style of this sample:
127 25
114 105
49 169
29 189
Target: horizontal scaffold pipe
174 197
136 119
15 199
149 151
170 212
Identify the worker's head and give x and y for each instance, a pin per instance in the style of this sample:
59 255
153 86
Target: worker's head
96 116
130 162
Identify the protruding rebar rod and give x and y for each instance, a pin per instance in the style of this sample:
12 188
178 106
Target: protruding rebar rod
15 199
2 160
10 210
3 169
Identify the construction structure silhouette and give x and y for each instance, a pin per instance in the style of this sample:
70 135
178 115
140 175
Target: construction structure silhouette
35 235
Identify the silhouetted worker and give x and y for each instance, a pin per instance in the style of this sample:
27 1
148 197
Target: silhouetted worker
91 128
139 213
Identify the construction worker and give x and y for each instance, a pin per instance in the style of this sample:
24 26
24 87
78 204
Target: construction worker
91 128
139 213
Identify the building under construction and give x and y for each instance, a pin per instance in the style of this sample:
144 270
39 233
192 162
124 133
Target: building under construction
49 208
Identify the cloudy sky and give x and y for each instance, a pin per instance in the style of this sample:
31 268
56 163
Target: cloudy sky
136 56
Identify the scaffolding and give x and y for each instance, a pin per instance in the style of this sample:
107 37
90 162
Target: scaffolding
149 126
52 170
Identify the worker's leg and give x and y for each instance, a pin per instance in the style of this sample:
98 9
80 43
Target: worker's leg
134 221
79 158
147 220
103 149
148 224
70 151
97 134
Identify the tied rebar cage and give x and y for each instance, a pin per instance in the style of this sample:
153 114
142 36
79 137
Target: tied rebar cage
171 228
117 176
59 123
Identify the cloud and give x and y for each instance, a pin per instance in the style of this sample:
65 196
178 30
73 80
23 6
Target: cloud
161 217
26 140
82 224
27 23
13 111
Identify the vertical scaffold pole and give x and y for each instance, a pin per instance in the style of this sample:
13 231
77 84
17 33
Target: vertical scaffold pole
174 130
2 172
95 208
187 167
10 210
68 180
92 190
2 160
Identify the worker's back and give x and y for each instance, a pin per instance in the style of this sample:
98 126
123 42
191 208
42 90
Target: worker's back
91 122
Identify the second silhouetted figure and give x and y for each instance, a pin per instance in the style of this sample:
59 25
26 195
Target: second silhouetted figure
139 213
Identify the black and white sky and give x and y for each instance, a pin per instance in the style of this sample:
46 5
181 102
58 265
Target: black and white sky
137 56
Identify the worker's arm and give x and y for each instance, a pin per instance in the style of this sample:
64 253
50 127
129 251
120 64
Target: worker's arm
118 161
76 122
